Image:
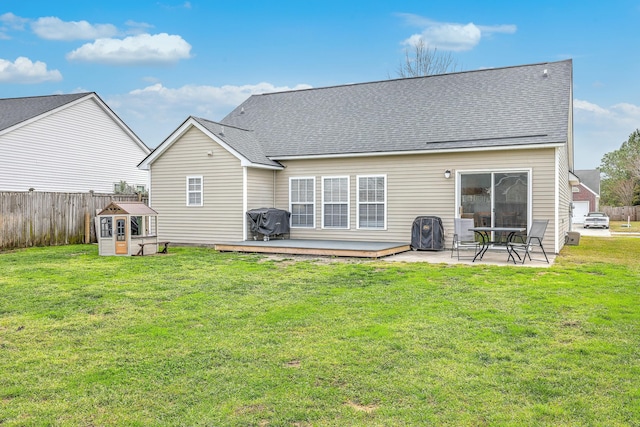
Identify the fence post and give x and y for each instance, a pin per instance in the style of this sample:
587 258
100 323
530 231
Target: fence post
87 230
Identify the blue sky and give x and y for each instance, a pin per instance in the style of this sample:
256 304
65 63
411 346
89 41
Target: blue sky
157 62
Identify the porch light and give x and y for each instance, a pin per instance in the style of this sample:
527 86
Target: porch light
447 174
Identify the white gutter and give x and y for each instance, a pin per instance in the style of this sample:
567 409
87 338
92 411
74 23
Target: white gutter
409 153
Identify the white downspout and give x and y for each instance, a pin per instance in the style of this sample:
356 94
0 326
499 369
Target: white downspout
556 234
245 202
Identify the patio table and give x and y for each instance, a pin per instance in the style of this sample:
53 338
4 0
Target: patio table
485 235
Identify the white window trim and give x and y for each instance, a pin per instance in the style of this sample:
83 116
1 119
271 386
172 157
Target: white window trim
313 178
358 177
348 202
201 190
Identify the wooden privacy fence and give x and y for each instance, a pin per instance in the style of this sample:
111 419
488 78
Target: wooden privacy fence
621 213
49 219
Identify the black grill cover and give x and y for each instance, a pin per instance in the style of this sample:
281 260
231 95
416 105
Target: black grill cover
427 234
268 221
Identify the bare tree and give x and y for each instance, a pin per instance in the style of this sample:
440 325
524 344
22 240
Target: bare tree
625 191
421 60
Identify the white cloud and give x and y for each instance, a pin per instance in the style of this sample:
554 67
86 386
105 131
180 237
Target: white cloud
503 29
137 27
185 5
589 107
211 95
52 28
451 36
630 111
23 70
621 114
9 20
155 111
599 130
142 49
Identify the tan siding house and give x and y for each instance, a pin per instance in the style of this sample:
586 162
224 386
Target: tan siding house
361 162
220 209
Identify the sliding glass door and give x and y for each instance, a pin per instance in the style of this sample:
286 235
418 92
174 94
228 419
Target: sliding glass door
495 199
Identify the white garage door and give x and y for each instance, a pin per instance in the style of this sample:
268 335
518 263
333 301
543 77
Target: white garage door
580 209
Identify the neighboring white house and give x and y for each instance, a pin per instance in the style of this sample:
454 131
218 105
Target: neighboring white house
67 143
362 161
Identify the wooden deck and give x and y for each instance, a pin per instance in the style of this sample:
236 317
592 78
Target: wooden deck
317 247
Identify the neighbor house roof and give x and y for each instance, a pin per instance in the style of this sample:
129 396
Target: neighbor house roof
590 178
17 110
520 106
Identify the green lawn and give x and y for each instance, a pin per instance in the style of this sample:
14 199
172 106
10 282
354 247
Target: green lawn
199 338
624 226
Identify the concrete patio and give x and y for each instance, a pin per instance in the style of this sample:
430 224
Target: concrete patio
492 257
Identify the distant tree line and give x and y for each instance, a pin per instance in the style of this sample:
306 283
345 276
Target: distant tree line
620 185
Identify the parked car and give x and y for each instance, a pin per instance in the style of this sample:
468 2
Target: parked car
596 219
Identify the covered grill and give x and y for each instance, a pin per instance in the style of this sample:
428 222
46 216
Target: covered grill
267 223
427 234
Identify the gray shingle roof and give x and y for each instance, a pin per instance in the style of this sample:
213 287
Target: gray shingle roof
493 107
18 110
590 178
241 140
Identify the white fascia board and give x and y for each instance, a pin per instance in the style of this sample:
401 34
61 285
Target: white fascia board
243 160
164 145
409 153
249 164
574 179
588 189
188 124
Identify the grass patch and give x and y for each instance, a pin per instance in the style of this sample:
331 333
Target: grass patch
623 226
203 338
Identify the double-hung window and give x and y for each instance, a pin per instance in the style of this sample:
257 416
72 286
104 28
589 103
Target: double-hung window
302 196
335 202
194 191
372 202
